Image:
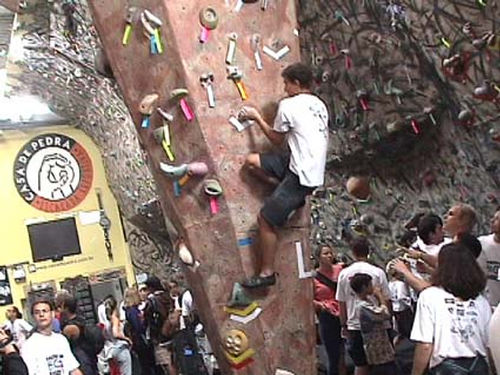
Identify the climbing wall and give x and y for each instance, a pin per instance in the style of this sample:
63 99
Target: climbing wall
414 90
153 53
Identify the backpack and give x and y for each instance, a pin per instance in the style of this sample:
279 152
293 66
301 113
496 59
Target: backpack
187 357
91 338
155 316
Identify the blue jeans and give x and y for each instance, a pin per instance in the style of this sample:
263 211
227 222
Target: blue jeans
329 331
462 366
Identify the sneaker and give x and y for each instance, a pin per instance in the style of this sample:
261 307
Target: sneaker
259 281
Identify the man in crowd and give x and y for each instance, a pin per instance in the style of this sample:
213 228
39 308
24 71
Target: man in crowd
302 120
73 327
490 260
156 313
47 352
348 301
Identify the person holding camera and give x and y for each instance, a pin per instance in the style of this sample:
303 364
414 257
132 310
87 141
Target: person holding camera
13 364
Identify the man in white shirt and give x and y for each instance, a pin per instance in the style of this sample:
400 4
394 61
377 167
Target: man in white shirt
302 120
489 260
348 300
46 352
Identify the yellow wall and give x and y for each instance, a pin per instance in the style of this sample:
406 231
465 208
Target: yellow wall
15 213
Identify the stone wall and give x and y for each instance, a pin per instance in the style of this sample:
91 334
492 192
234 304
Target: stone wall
392 54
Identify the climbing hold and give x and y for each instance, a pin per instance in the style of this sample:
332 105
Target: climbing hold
235 74
359 187
174 171
180 95
236 342
197 169
147 104
206 81
231 48
213 190
238 297
209 20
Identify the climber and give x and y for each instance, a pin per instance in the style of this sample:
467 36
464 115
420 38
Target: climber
302 119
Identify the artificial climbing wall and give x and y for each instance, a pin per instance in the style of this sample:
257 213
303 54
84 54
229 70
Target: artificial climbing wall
280 333
413 88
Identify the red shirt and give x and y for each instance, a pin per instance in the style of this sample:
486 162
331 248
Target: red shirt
323 293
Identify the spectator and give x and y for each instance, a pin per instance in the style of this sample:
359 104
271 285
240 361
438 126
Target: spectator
401 304
137 331
143 295
156 313
452 318
373 311
18 327
46 352
117 345
13 364
429 242
490 260
73 327
494 342
327 307
461 218
351 328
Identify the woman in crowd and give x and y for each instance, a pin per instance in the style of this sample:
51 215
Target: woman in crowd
116 347
18 327
137 331
327 307
451 323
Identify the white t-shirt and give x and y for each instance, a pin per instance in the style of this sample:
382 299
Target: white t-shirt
48 355
20 328
494 342
456 328
400 295
347 295
489 260
431 249
305 118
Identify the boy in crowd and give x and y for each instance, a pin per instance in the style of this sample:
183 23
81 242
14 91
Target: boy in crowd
351 328
46 352
373 311
490 260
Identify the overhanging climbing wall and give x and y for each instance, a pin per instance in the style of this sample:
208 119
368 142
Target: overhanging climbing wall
220 233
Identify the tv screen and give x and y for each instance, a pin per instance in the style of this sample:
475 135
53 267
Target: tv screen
54 239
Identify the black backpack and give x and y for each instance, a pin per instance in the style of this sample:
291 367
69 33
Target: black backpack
91 338
187 357
156 313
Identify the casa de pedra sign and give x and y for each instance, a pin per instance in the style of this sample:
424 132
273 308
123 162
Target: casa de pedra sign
53 172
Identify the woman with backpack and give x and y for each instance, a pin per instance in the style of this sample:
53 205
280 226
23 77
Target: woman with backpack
327 307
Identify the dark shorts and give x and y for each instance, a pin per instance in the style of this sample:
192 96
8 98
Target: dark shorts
288 195
356 349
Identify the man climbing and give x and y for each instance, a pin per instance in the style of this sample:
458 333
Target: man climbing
302 119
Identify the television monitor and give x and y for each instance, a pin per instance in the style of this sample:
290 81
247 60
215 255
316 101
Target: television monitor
54 239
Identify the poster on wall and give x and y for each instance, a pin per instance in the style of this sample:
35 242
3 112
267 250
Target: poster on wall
53 172
5 293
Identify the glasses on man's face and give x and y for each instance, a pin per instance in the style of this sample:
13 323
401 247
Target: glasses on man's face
41 312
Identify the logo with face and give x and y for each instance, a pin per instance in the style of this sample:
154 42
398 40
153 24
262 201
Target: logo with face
53 173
